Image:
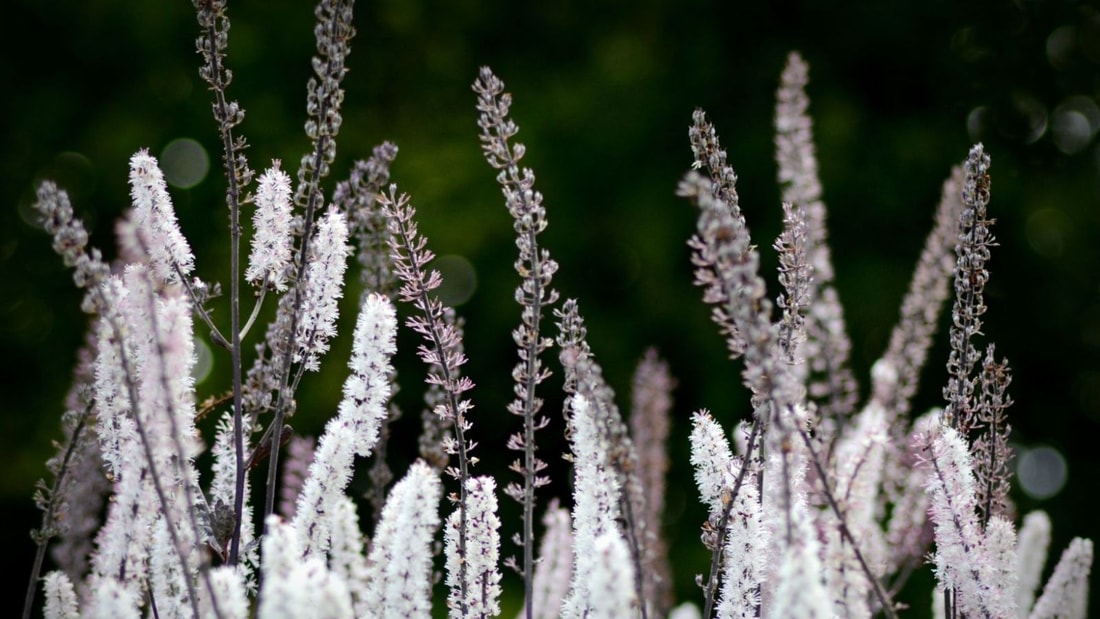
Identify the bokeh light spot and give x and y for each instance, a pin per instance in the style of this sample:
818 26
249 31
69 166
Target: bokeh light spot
459 279
184 163
1046 232
204 361
1042 472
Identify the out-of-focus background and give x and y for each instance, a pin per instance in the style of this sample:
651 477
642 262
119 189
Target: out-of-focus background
604 92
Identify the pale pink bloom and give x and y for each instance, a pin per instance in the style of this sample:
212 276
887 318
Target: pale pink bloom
60 602
158 230
399 582
482 553
354 430
324 286
1066 594
1031 555
550 583
271 240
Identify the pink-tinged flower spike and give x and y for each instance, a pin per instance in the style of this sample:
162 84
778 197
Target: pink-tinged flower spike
399 583
1031 555
651 403
550 583
482 554
800 590
1066 594
909 534
354 430
859 455
271 241
827 347
299 456
60 597
324 286
169 254
962 560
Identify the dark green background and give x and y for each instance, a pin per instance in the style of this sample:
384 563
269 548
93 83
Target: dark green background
603 93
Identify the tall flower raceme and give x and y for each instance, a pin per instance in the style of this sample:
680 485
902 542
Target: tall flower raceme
442 353
830 383
584 377
399 566
727 268
271 244
736 518
169 253
536 270
323 289
554 569
650 412
482 554
595 512
354 430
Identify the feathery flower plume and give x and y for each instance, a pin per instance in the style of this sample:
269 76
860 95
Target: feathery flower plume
583 376
109 598
1066 594
550 582
536 269
962 560
354 430
1031 555
596 502
399 583
230 592
347 558
293 587
859 461
482 589
324 288
270 259
735 519
169 254
610 594
60 597
909 532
